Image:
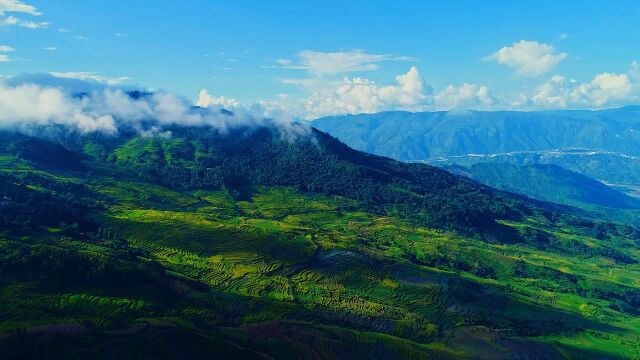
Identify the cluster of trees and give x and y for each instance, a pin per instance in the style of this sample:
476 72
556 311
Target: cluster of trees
118 267
171 163
620 297
24 208
45 152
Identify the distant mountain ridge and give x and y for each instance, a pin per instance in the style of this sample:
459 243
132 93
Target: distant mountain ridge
429 135
612 168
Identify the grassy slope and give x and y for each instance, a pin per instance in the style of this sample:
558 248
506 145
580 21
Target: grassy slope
319 275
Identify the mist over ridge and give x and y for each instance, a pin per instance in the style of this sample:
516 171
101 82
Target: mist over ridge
36 103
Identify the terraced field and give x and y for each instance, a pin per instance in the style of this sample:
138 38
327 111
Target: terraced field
289 273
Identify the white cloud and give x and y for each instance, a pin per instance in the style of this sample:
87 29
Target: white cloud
206 100
118 34
8 20
608 88
4 57
32 103
281 107
528 58
360 95
17 6
63 30
466 96
328 96
604 90
89 75
323 95
329 63
11 21
33 25
409 93
50 48
35 105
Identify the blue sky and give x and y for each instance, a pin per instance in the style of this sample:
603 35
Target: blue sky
314 58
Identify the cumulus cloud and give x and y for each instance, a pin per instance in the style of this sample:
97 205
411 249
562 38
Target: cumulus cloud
30 103
206 100
329 63
89 75
605 89
360 95
528 58
326 94
465 96
409 93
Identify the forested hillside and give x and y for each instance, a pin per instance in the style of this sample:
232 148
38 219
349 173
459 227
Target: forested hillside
547 182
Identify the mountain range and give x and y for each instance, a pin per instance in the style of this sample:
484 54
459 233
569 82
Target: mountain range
432 135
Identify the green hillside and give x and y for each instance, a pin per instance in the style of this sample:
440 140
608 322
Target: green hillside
251 245
549 183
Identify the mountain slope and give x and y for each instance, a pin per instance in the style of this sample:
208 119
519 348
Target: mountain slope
547 182
252 245
316 163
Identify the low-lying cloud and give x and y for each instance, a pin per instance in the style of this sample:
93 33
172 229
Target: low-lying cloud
30 103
